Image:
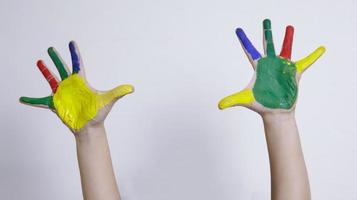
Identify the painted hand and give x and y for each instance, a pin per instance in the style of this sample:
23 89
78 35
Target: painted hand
75 102
274 86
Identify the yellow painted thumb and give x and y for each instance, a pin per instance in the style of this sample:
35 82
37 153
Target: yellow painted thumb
243 97
114 94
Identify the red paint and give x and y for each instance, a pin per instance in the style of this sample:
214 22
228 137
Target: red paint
288 43
48 75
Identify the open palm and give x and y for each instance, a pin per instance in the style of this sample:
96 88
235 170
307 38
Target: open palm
75 102
274 86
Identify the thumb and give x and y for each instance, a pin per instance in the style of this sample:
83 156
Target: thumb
244 97
114 94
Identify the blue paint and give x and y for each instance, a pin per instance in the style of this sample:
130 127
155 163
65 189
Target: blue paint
247 44
75 57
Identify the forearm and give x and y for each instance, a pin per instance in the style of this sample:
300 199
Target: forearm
95 165
289 179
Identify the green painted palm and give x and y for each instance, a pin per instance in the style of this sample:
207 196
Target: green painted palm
275 81
275 85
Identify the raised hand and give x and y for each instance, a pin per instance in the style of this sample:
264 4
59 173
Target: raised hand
75 102
274 86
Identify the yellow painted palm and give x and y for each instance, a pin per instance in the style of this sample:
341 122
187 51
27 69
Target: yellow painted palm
73 99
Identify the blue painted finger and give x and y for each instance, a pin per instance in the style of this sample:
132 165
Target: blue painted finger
76 61
248 46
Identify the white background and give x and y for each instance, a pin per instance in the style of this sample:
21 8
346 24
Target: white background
168 140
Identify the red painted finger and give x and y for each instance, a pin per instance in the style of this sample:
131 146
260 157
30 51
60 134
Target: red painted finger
48 75
288 43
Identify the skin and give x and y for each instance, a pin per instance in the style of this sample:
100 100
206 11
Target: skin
272 93
83 110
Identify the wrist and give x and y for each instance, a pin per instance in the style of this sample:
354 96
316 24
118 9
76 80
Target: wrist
90 132
279 124
278 116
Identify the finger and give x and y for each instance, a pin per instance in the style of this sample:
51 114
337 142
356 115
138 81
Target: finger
306 62
268 38
51 79
288 43
45 102
76 58
248 47
114 94
244 97
61 67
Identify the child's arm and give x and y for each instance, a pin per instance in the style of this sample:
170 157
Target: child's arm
289 179
83 110
97 175
272 93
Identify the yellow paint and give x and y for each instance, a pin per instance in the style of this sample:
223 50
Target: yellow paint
107 97
304 63
76 103
243 97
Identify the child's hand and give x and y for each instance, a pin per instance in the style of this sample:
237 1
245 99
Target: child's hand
274 86
75 102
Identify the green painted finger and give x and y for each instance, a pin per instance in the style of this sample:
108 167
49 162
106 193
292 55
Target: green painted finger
41 102
268 38
58 62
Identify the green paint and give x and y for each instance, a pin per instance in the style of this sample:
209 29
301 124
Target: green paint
268 36
44 101
58 62
267 24
275 85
